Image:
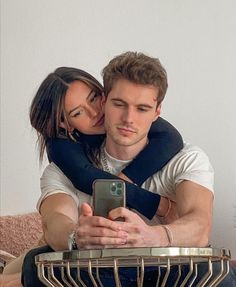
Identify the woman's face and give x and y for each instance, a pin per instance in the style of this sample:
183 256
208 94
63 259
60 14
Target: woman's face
84 110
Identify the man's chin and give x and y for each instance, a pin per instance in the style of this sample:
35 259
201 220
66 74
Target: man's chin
124 142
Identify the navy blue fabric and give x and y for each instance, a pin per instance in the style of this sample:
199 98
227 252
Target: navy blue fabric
127 275
164 142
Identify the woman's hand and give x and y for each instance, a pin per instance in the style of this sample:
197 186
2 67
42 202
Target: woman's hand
124 177
98 232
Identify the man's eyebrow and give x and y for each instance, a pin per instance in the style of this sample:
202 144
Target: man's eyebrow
139 105
75 108
118 100
145 106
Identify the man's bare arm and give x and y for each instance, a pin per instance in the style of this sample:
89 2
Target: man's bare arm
59 217
194 205
192 228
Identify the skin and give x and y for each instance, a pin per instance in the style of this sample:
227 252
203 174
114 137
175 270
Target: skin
84 109
131 124
129 115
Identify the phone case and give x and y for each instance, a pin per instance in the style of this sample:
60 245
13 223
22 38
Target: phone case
107 195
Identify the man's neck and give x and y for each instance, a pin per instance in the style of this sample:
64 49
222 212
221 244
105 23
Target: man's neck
124 152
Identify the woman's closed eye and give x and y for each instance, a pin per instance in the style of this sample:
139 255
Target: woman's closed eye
77 113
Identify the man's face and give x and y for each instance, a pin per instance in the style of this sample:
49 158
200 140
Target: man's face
130 110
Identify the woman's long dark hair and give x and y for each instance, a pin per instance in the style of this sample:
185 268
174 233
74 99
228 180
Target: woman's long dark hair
47 109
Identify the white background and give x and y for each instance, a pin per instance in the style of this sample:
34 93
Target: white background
196 42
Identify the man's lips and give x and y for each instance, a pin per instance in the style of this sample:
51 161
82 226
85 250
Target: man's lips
126 130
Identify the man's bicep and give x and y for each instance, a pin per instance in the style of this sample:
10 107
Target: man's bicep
193 198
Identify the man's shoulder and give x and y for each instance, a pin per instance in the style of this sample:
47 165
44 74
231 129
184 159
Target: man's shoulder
190 158
190 149
52 171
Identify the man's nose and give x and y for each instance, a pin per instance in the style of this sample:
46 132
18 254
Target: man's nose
128 115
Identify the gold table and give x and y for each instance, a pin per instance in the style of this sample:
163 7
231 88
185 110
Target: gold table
162 258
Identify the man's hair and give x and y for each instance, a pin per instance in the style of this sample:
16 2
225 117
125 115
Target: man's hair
137 68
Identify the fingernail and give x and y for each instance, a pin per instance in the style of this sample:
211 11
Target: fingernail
124 241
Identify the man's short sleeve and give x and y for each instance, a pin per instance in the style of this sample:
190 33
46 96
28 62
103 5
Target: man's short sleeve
194 165
53 181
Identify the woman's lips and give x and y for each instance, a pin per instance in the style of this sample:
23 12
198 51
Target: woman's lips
99 122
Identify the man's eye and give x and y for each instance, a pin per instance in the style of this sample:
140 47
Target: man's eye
118 104
142 110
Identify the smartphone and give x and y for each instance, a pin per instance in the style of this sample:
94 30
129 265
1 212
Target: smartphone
107 195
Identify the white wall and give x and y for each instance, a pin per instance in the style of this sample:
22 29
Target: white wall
196 42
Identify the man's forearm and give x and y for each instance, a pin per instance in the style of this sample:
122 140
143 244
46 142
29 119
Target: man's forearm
191 230
194 205
59 217
57 228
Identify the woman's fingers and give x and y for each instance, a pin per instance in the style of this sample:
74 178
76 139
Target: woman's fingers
88 242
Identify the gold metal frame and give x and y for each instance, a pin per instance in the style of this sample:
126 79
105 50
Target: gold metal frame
162 258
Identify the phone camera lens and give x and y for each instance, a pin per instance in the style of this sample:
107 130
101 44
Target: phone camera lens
113 188
118 192
119 185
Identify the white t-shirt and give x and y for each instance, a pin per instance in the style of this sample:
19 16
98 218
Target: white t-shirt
191 163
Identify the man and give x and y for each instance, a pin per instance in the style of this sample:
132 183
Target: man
135 86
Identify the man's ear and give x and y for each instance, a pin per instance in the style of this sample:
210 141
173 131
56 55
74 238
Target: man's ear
157 113
103 101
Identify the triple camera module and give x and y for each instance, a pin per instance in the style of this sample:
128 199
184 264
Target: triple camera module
116 188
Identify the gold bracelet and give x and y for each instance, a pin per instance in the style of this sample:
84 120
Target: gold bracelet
169 235
168 210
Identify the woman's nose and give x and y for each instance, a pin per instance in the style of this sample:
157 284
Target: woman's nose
92 111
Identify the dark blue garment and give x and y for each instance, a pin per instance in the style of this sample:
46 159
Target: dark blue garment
164 142
128 276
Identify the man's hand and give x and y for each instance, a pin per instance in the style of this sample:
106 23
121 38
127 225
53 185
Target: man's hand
98 232
139 233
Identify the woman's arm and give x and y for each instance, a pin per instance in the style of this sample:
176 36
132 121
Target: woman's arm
164 143
71 159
